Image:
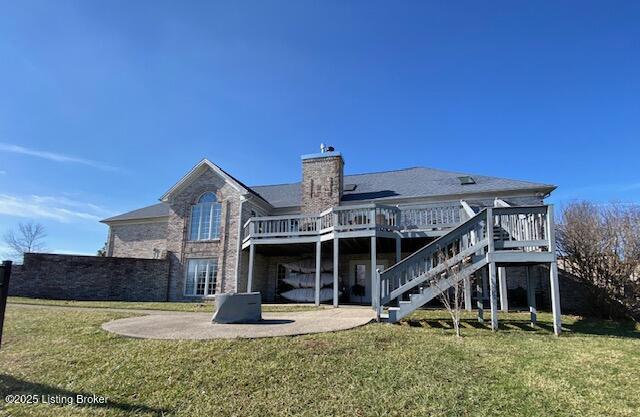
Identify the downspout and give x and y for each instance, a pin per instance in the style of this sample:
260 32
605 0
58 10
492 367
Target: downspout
239 246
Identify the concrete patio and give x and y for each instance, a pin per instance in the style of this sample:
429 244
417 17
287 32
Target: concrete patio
184 326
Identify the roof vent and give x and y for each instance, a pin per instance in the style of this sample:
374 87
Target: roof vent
466 180
350 187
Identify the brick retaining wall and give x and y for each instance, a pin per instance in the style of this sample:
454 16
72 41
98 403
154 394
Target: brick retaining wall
74 277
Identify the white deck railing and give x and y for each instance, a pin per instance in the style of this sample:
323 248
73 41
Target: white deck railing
519 228
357 218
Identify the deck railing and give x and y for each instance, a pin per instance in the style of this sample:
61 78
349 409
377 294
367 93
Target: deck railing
358 218
520 228
432 215
514 227
278 226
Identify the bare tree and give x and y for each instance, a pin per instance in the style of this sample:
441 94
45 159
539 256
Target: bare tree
450 286
102 251
28 238
600 246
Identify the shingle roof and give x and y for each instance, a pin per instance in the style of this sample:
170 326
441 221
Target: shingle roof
280 195
403 183
149 212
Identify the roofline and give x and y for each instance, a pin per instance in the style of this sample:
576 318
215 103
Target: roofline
204 162
533 184
157 219
236 184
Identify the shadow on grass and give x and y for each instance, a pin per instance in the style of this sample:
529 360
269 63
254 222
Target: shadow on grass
583 326
599 327
15 386
474 324
432 324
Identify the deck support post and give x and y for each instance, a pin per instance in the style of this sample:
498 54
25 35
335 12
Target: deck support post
374 261
553 273
555 298
398 249
467 293
531 296
502 280
252 250
480 279
493 291
336 266
493 296
318 264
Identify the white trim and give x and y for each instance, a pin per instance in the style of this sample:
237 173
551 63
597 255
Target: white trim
184 181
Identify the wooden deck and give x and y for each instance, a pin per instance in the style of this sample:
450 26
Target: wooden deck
365 220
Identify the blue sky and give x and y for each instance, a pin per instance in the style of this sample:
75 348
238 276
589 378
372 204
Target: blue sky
104 105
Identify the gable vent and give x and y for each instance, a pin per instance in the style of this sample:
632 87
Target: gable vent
466 180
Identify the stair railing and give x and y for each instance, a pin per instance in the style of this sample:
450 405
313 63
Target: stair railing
464 240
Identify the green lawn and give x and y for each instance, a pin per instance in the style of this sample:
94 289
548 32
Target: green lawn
415 369
166 306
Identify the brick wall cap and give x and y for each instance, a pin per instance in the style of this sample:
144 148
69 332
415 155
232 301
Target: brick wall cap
321 155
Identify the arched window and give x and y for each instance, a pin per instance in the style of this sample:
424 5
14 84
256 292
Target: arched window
205 218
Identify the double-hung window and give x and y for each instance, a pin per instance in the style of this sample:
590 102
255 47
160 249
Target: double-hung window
201 277
205 218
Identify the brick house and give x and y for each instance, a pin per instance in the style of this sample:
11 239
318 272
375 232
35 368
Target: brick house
323 238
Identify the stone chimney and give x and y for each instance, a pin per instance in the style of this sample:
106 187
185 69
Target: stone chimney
322 180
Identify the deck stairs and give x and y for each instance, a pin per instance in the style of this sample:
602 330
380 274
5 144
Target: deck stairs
494 237
421 277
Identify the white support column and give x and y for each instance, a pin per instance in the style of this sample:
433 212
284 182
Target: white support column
336 266
553 274
318 264
555 298
531 296
502 280
398 249
252 250
374 261
493 296
467 293
480 279
493 291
